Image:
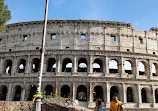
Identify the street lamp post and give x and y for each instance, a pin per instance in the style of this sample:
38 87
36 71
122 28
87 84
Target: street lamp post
37 105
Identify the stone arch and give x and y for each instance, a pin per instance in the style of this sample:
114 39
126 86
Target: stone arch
113 66
113 90
32 92
97 65
98 93
156 95
51 65
145 95
82 65
3 93
130 94
142 67
154 69
67 65
81 93
21 65
65 91
17 95
128 67
8 66
35 64
49 90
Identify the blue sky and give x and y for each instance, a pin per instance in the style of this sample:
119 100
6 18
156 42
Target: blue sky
143 14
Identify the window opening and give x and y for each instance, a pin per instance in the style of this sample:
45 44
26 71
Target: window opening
53 36
140 40
113 38
25 37
83 36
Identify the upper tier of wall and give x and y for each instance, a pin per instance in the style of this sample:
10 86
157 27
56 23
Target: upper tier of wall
68 36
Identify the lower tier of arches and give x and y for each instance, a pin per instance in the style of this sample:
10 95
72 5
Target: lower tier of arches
85 93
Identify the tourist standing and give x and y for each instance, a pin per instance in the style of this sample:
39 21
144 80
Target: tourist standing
116 105
98 106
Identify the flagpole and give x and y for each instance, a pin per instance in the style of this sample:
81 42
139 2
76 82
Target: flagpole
37 104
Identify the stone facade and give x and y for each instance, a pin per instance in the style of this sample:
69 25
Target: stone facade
84 60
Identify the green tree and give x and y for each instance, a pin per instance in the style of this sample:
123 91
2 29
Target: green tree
5 15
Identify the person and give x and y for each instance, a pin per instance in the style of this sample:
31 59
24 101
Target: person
98 106
116 105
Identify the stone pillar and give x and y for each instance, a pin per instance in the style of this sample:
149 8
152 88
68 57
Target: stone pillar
2 66
74 65
23 94
57 87
106 65
60 45
27 91
74 91
91 93
89 45
139 99
153 95
75 42
88 92
121 65
104 93
28 65
149 69
9 93
124 94
90 65
58 69
107 94
71 91
14 66
135 65
45 66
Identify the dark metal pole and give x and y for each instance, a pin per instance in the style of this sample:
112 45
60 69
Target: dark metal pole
37 105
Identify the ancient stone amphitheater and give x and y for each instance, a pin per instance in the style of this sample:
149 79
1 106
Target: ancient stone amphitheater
84 60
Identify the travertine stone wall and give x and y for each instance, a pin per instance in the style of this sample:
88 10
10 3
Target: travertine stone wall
129 45
68 35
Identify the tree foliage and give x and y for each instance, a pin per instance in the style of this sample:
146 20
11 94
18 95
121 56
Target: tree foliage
5 15
56 95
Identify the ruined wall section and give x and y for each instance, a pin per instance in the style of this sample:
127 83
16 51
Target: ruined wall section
68 35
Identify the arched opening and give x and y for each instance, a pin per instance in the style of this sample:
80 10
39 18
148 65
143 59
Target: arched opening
82 65
35 65
32 92
65 91
49 90
129 94
22 65
17 95
154 69
97 65
98 93
67 65
113 91
81 93
144 96
113 66
156 96
141 68
8 67
51 67
3 93
128 67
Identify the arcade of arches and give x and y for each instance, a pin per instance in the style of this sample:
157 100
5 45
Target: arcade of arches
87 91
96 65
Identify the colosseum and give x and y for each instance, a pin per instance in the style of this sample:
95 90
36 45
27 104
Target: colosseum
84 60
